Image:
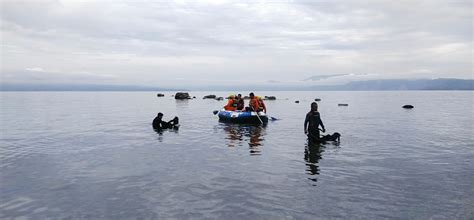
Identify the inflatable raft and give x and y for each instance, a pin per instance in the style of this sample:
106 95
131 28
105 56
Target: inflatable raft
242 117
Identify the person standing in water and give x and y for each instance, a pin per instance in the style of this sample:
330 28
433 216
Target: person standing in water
312 123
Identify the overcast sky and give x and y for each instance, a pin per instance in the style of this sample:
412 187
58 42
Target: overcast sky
162 43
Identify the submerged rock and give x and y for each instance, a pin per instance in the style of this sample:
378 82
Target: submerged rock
408 106
160 95
297 101
182 95
209 97
317 100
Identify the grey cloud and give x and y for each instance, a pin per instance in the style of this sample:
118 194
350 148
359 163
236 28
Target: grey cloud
320 77
146 41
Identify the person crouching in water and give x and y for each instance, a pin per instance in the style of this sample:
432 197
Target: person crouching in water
159 124
231 104
313 119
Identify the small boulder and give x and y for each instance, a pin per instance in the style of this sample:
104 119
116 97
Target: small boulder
270 98
160 95
317 100
194 97
297 101
209 97
182 95
408 106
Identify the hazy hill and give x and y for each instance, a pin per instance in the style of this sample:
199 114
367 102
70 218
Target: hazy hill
404 84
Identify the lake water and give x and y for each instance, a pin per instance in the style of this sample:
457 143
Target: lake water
94 155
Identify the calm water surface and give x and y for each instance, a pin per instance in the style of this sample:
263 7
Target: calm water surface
95 155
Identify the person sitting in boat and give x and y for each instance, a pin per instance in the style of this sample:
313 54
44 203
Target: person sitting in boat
253 103
159 124
313 119
240 102
261 105
231 104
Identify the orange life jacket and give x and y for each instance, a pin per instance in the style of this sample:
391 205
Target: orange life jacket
254 104
231 105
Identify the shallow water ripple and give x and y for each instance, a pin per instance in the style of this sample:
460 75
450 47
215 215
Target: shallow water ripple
94 156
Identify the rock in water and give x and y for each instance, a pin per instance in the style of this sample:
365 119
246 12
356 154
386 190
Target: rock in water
317 100
343 104
160 95
408 106
182 95
209 97
270 98
297 101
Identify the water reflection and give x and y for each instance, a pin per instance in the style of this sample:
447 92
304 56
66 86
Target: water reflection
159 132
238 135
312 155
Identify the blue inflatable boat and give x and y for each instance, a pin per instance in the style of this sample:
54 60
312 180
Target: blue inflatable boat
242 117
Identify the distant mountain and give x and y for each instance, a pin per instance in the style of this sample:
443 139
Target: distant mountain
369 85
403 84
77 87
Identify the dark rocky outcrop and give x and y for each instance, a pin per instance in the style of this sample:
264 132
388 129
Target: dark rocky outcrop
408 106
182 95
209 97
270 98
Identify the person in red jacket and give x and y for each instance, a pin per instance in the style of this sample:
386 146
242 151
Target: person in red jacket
231 104
253 103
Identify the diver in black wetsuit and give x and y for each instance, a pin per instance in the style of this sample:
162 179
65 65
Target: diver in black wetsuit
314 120
158 124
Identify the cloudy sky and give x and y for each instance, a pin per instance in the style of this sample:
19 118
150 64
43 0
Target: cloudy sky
164 43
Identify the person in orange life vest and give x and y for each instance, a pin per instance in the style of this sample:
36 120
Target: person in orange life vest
253 104
240 102
231 104
261 105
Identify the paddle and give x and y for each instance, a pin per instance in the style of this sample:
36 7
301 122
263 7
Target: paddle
274 119
257 115
259 118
